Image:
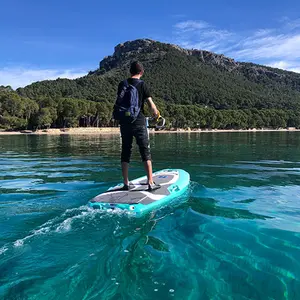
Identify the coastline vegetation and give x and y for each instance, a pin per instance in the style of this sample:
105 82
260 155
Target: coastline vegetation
19 113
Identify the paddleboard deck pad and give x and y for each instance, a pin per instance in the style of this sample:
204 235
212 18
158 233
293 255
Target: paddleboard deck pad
139 199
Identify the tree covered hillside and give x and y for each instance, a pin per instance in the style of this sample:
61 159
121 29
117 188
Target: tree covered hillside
193 88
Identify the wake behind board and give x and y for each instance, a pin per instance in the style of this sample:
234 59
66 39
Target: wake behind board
138 199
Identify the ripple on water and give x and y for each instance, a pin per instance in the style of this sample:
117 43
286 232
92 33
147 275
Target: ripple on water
234 235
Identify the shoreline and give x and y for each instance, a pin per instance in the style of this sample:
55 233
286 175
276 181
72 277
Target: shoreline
116 130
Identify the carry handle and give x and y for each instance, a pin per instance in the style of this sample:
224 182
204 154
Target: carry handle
159 121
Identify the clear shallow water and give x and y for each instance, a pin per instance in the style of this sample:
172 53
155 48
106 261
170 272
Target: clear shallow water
235 234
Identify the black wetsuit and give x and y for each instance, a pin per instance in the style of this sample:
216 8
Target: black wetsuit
138 128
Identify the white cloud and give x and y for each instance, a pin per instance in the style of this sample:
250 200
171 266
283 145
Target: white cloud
191 25
263 32
199 35
286 65
290 24
270 47
20 77
294 24
205 45
263 45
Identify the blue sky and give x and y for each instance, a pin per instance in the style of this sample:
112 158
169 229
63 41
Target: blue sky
62 38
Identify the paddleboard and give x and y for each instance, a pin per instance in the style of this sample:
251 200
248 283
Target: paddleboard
173 182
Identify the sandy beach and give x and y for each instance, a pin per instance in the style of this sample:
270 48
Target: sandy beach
71 131
116 130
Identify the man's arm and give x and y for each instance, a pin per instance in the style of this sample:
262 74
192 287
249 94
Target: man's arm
152 107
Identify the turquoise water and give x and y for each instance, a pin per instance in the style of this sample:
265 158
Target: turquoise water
234 235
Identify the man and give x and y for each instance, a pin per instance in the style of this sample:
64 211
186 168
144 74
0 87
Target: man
137 128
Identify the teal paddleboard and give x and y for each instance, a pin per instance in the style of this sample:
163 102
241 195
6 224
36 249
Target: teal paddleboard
173 182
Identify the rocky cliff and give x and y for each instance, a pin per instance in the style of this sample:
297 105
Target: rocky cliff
150 51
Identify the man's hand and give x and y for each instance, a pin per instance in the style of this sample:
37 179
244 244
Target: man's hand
156 114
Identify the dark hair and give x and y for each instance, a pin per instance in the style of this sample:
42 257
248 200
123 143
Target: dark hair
136 68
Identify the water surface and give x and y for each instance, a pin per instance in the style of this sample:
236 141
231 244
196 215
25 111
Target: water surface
234 235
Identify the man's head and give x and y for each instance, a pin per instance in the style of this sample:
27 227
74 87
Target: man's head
136 69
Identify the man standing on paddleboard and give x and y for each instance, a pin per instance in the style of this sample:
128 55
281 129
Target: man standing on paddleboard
133 93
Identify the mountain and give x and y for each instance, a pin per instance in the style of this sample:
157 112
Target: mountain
182 76
183 81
